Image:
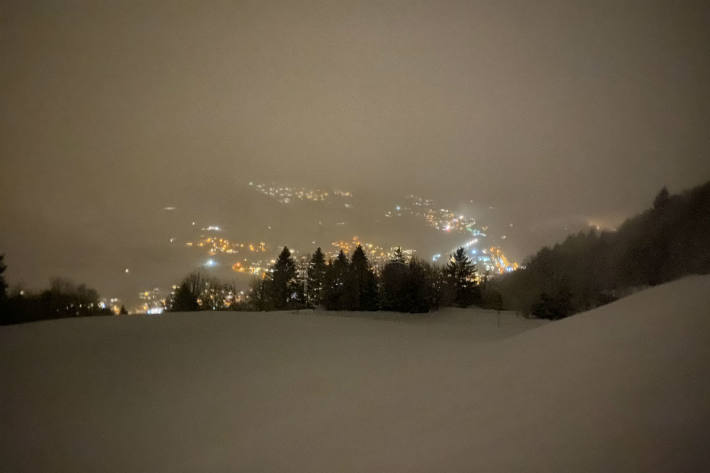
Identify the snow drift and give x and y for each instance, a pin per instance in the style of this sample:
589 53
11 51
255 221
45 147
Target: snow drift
621 388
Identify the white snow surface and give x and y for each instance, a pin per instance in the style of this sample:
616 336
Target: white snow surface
625 388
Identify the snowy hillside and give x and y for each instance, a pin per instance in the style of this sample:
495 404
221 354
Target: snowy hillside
622 388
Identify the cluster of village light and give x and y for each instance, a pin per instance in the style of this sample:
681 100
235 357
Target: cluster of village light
442 219
287 194
377 254
489 259
250 257
214 245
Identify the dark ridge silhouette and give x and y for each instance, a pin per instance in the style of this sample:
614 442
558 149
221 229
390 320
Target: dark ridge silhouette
666 242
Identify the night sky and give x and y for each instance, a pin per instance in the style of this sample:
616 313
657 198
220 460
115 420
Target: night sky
552 112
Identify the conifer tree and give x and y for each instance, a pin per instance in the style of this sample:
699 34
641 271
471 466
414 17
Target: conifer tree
459 274
362 283
398 256
419 288
394 282
661 199
413 286
336 279
316 278
282 281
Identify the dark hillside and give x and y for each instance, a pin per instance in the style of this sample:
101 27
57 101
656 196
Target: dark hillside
667 241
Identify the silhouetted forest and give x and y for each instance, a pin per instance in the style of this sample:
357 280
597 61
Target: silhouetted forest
62 299
667 241
403 285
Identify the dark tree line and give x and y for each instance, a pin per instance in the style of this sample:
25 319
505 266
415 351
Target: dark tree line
353 284
667 241
62 299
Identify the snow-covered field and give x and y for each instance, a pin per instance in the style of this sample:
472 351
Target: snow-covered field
625 387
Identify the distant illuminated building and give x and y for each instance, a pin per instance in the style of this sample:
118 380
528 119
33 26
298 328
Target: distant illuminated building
113 304
152 301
